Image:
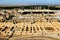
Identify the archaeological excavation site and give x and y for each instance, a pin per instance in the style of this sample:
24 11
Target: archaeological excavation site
34 22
